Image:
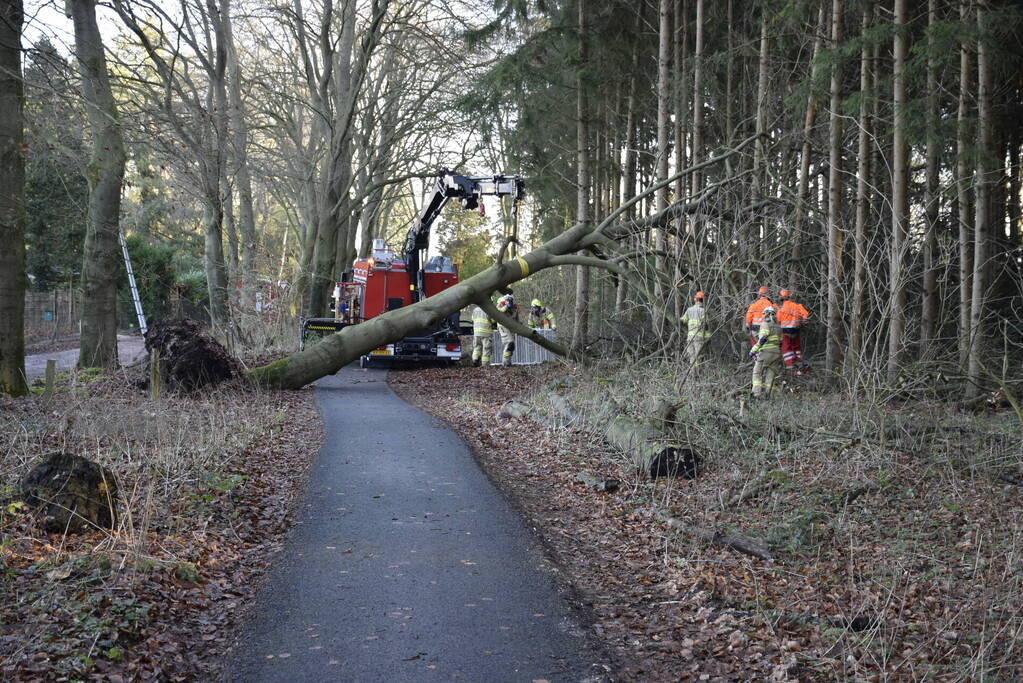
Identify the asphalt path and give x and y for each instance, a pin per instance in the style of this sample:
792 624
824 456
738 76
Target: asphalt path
405 564
128 348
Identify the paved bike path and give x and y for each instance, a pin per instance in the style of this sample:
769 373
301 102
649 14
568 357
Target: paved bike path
406 564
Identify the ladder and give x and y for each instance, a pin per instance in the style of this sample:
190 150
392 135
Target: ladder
131 281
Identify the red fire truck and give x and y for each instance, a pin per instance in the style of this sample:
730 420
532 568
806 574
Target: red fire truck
382 282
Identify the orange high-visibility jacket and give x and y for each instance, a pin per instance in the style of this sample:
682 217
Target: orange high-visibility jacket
791 315
755 312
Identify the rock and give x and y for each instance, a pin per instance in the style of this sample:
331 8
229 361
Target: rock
189 358
70 493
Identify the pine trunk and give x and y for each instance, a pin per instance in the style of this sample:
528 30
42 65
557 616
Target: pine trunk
836 239
982 223
863 192
900 194
580 330
929 310
963 185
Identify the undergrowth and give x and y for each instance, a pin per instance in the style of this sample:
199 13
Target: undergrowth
897 529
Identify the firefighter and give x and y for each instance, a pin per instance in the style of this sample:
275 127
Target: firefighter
697 330
482 337
506 304
767 352
754 314
791 317
540 317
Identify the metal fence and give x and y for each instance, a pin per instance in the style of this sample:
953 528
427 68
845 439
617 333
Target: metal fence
526 352
49 315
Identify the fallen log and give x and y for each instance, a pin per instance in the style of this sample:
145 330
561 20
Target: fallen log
737 542
513 409
651 451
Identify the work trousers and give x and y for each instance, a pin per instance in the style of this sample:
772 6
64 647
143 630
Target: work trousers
766 368
694 345
482 348
508 344
791 348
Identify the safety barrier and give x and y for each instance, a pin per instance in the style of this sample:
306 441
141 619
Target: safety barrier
526 352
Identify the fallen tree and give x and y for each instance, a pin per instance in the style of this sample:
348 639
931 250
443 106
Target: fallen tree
602 241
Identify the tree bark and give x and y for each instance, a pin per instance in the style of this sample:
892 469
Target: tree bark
12 202
963 187
932 198
239 145
863 191
836 240
982 222
900 193
580 330
697 154
105 173
803 183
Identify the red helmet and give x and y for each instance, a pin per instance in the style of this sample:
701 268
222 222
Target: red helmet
784 293
699 296
763 291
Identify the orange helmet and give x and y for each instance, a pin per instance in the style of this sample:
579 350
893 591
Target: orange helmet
699 296
763 290
784 293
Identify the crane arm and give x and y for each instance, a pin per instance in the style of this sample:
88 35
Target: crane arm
469 190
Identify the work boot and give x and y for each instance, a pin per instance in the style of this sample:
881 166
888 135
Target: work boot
507 363
475 362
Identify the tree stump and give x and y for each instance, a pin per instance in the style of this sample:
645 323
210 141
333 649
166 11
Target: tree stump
70 493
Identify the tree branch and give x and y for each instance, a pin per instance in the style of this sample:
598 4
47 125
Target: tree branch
525 331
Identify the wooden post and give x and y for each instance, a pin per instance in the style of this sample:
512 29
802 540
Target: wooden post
154 375
51 379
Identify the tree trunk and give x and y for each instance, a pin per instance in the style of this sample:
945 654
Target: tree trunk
929 312
982 223
963 186
760 150
803 186
105 173
663 298
836 239
580 331
900 194
652 453
697 153
863 191
12 202
215 176
681 45
239 145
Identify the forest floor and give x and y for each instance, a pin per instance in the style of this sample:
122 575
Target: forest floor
207 483
896 531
